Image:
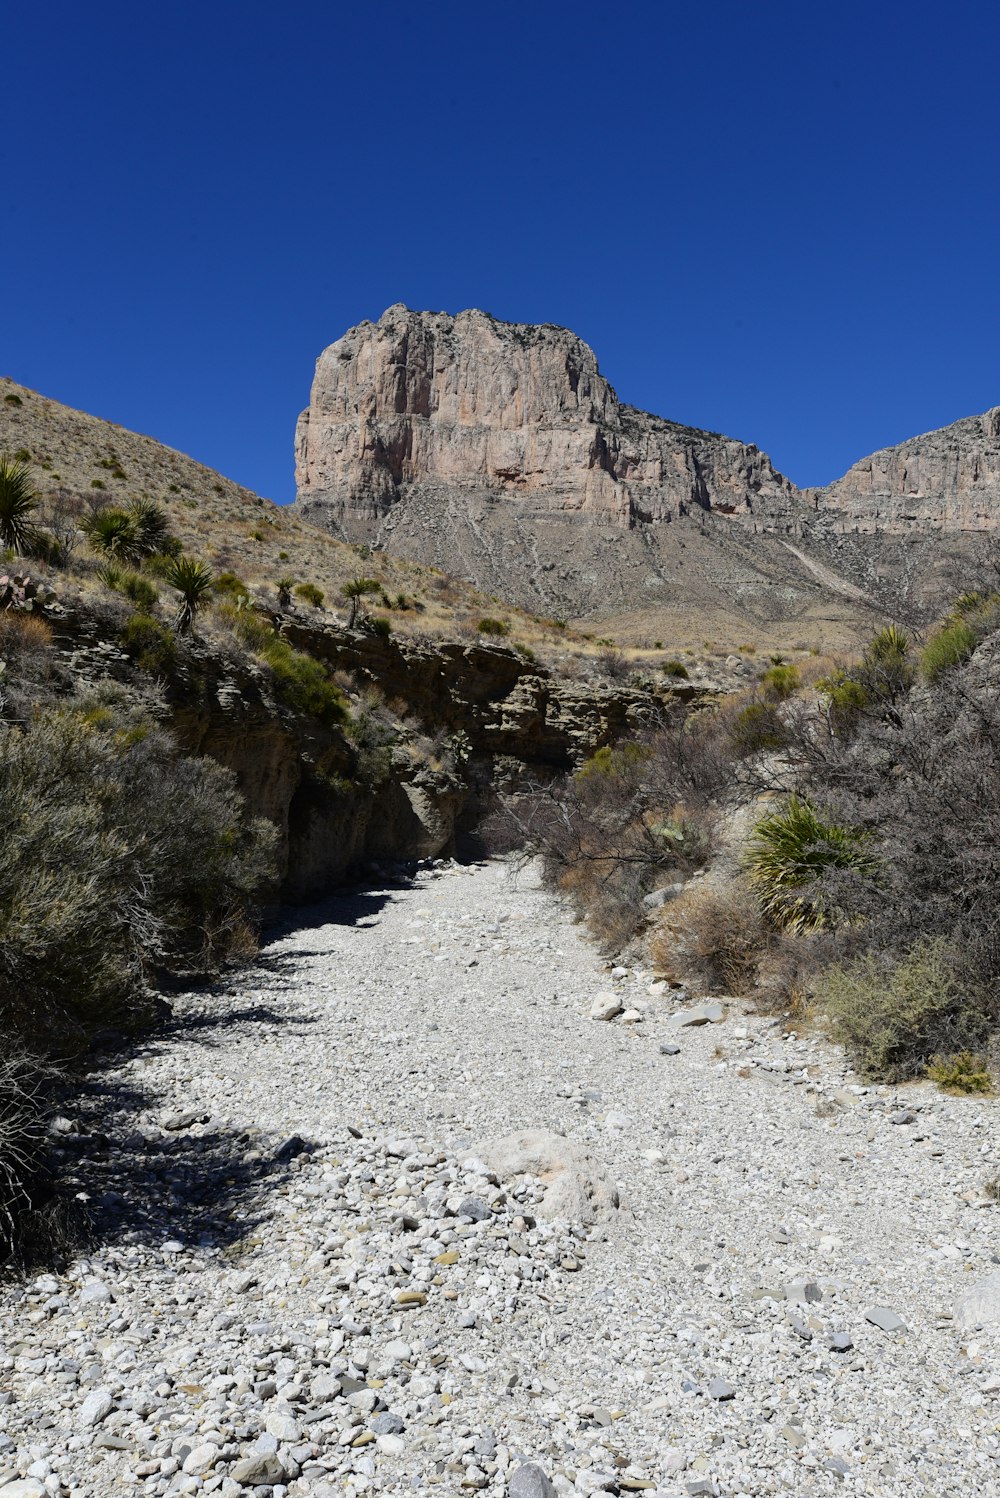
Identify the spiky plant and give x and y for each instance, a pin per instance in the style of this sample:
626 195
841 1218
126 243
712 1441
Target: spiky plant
18 502
193 581
790 851
152 529
113 532
354 591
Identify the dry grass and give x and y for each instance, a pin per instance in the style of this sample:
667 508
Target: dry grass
713 936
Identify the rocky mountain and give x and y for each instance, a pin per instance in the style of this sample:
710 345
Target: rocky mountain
500 452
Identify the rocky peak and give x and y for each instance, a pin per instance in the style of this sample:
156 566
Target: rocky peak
946 480
509 410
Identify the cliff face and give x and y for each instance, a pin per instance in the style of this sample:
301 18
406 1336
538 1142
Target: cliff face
944 481
513 411
499 452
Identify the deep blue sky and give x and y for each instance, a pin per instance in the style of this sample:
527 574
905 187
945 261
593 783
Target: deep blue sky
776 220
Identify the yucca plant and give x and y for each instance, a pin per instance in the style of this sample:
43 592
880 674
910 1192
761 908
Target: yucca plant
152 530
18 502
789 851
354 591
113 532
193 581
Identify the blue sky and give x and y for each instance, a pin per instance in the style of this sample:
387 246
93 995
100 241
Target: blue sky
777 220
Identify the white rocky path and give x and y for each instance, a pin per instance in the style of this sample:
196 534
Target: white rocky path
306 1281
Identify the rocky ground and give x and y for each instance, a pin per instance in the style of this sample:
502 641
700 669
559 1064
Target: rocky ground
315 1271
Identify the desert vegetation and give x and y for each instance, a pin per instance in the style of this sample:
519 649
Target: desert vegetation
824 841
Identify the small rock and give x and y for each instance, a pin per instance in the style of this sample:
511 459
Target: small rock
258 1470
632 1017
840 1342
605 1007
475 1209
720 1389
700 1014
388 1424
96 1407
885 1319
669 1049
201 1460
529 1481
903 1116
980 1305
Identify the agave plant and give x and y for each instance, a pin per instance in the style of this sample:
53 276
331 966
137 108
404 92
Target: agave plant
151 526
18 502
193 581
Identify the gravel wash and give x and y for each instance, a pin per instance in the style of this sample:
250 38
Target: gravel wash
304 1279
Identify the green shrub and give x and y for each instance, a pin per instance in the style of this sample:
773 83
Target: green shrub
117 857
498 627
756 727
136 588
151 645
789 851
229 585
380 625
951 646
193 580
309 593
248 626
780 681
302 682
964 1072
894 1015
675 668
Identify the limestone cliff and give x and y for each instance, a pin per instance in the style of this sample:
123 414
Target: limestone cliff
508 409
947 480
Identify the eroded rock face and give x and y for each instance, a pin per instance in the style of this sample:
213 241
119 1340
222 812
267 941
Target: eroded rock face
943 481
508 409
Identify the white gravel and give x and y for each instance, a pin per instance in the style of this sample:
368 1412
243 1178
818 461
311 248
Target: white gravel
239 1326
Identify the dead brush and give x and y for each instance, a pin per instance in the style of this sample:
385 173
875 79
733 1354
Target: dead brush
715 936
25 640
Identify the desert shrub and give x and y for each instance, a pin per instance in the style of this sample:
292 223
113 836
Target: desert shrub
229 586
380 625
634 814
23 1107
489 626
117 856
136 588
150 644
951 646
373 730
757 727
780 681
714 937
675 668
25 639
788 854
964 1072
894 1014
248 626
310 594
303 683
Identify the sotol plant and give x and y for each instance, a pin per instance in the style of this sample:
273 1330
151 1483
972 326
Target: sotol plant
789 852
18 502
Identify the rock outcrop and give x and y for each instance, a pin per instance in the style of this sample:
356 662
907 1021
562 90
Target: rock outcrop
507 409
499 452
943 481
